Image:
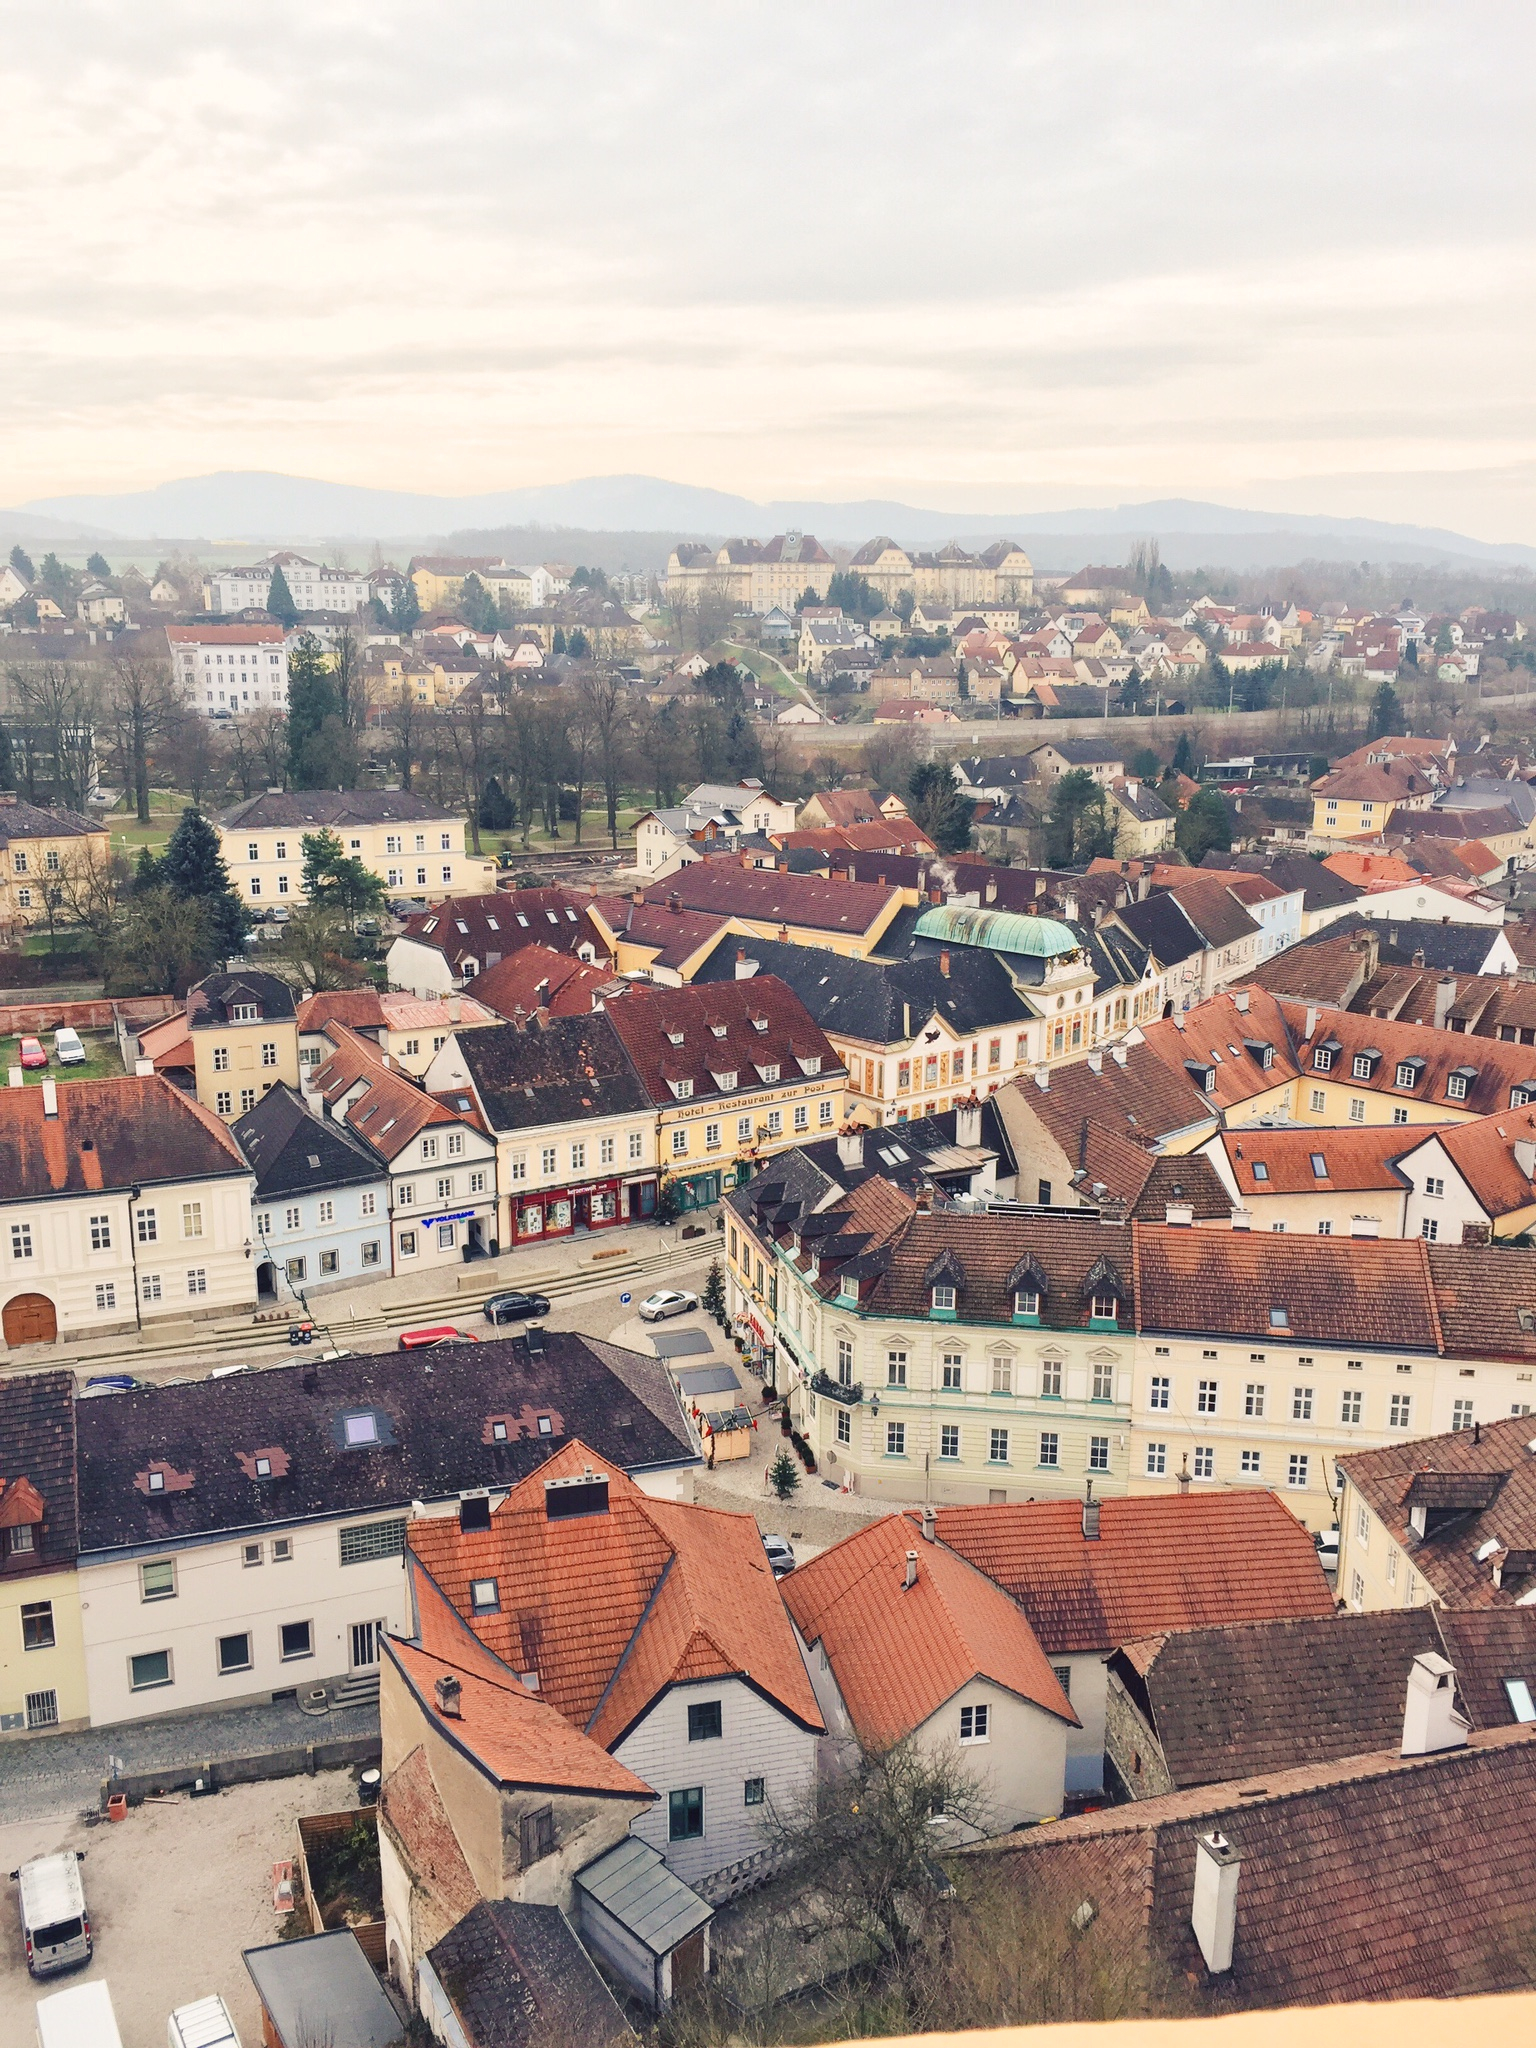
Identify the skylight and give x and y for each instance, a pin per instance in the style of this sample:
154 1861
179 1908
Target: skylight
1319 1166
361 1429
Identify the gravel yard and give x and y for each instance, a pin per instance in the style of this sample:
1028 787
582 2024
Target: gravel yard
175 1893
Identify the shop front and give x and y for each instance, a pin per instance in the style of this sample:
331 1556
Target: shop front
696 1190
561 1212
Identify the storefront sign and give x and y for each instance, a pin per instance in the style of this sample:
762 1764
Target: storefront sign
448 1216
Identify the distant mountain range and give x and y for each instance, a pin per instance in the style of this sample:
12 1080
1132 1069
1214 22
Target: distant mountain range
264 508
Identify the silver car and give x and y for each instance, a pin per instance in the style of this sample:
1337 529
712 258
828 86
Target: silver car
668 1301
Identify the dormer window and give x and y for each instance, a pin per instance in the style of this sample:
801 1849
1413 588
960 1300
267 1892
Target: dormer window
1026 1303
1279 1319
943 1300
245 1013
674 1038
759 1023
23 1539
1104 1308
1459 1083
718 1030
1364 1065
770 1072
848 1290
1203 1075
1322 1059
811 1065
682 1089
1409 1072
1522 1093
726 1078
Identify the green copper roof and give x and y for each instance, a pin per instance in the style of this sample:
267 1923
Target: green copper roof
1002 931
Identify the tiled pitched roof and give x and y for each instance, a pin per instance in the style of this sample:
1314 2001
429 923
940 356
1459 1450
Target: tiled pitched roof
487 928
1487 1300
727 889
318 808
561 1071
1345 1865
37 1452
33 821
1073 1259
1213 910
391 1109
1160 1562
1362 1157
1445 1556
1268 1696
109 1134
1393 782
1147 1099
1495 1155
514 985
517 1977
1492 1069
359 1007
717 1024
611 1608
292 1152
675 934
436 1414
210 1002
877 1000
898 1652
1230 1035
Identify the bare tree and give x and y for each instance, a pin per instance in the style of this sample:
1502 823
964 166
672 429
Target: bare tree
268 731
404 716
142 703
194 755
61 702
604 712
91 890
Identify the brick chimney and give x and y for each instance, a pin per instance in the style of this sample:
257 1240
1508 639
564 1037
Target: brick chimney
944 962
448 1690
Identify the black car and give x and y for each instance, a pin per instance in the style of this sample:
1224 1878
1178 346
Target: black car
515 1307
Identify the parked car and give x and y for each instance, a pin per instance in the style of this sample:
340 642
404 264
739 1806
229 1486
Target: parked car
667 1301
205 2024
1327 1541
437 1333
111 1383
68 1048
54 1922
515 1307
368 928
32 1054
781 1554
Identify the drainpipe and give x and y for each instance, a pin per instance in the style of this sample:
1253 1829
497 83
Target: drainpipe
134 1194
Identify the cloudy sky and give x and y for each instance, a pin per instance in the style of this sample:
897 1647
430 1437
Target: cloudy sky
984 256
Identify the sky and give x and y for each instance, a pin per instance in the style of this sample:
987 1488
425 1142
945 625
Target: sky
988 257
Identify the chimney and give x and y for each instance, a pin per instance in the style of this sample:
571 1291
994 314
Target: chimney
1213 1910
586 1494
1179 1215
850 1145
16 1078
910 1578
1095 1063
906 1021
448 1689
675 904
968 1122
541 995
783 934
1430 1720
930 1522
1118 1055
1043 1080
1365 1226
944 962
474 1511
1242 1219
1445 997
638 896
1240 1002
935 894
1090 1517
1310 1023
50 1098
745 968
455 1010
1184 1475
143 1067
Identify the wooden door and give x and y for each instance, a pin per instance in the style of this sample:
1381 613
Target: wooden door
688 1963
30 1319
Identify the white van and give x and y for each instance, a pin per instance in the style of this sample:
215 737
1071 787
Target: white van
54 1923
203 2024
81 2017
68 1048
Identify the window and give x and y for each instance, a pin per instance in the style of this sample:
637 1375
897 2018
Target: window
685 1814
268 1053
1456 1088
101 1233
234 1653
1253 1399
43 1709
605 1151
1297 1469
106 1296
1434 1186
1050 1378
579 1158
224 1102
1319 1101
844 1426
1248 1464
221 1059
197 1280
149 1286
951 1370
362 1542
191 1219
22 1539
1157 1460
445 1188
37 1625
949 1439
483 1596
1429 1228
1162 1391
1400 1411
21 1240
1103 1380
1027 1303
1205 1397
974 1724
1461 1415
296 1639
845 1361
895 1439
752 1790
1322 1059
547 1159
149 1229
297 1270
1301 1404
704 1722
824 1110
637 1141
1105 1308
150 1668
743 1131
896 1368
1350 1402
1098 1454
1002 1375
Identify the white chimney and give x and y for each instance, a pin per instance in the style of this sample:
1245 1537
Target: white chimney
850 1145
1310 1025
16 1078
1242 1219
745 968
1430 1720
1365 1226
1117 1054
50 1098
1095 1063
1213 1911
910 1579
455 1009
968 1123
1240 1002
1180 1215
143 1069
1445 1000
930 1522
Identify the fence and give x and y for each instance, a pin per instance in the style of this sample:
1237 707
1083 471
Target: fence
318 1828
97 1014
303 1760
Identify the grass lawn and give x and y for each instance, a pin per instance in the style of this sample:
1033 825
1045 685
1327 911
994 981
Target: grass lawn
101 1061
594 835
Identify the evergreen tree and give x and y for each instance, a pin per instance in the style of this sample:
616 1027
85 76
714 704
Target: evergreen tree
56 580
559 641
1078 827
280 601
193 867
7 777
21 562
855 594
938 807
1203 826
497 812
784 1477
98 566
336 881
577 645
1386 713
405 612
312 700
712 1300
476 606
1183 762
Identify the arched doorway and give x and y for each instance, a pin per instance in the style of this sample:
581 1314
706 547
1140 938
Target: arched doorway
30 1319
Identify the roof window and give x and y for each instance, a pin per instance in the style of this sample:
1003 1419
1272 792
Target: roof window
1279 1319
495 927
483 1596
1459 1083
1319 1166
461 926
429 926
1260 1170
361 1427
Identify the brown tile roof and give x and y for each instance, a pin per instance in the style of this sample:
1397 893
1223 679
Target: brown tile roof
898 1652
1374 1877
1186 1178
109 1134
412 1808
1233 1702
512 986
358 1007
610 1609
1497 1068
391 1109
717 1023
1229 1036
486 928
1445 1556
1496 1157
1486 1298
38 1470
1328 1290
1213 910
1160 1562
1146 1100
728 889
1352 1157
1373 782
675 934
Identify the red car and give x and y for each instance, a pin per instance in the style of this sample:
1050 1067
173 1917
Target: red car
439 1333
32 1054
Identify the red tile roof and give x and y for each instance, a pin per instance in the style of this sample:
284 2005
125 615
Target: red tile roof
717 1024
898 1652
1353 1157
729 889
1160 1562
109 1134
512 987
358 1007
391 1109
675 934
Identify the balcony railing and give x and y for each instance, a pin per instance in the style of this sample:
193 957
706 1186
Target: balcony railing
851 1393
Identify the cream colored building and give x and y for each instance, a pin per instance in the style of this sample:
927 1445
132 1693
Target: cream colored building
750 574
415 848
950 576
39 850
126 1205
245 1037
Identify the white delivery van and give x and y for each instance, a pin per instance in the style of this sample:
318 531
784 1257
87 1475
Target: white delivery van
203 2024
54 1923
81 2017
68 1048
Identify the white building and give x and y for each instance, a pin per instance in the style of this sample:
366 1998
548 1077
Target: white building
225 669
312 586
